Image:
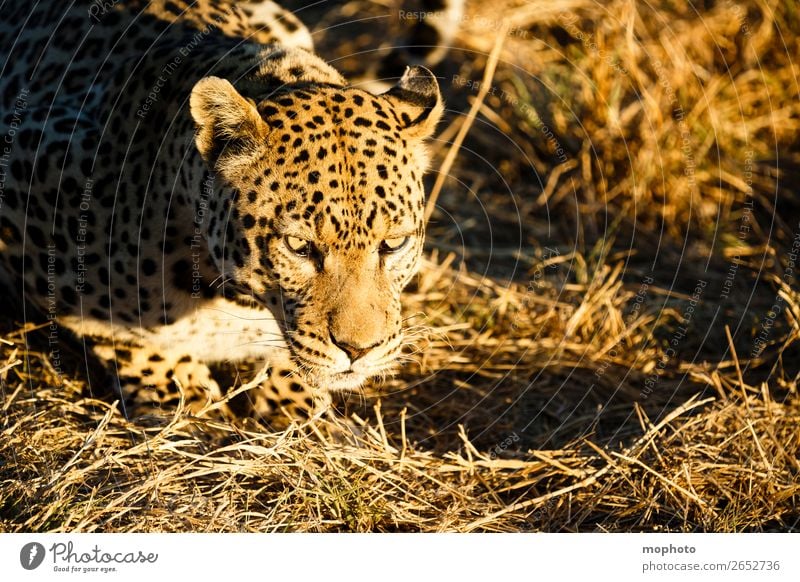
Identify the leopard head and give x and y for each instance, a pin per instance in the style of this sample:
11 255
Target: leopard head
321 210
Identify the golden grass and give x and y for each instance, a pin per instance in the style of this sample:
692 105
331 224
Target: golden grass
563 376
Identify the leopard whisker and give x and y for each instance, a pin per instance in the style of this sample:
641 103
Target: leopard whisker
414 315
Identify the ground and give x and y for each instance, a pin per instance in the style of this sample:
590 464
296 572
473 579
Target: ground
606 325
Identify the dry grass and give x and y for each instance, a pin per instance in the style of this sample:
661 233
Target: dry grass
567 381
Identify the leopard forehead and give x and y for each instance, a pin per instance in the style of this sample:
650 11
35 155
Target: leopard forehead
335 168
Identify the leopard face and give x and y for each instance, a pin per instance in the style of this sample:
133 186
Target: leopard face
320 211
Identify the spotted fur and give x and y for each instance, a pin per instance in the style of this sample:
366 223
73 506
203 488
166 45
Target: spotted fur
188 184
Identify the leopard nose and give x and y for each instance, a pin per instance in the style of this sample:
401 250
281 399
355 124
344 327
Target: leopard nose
353 351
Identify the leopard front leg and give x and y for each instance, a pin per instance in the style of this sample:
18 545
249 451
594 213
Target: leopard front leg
151 380
283 394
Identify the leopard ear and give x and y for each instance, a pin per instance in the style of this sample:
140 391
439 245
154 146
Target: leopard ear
418 101
227 123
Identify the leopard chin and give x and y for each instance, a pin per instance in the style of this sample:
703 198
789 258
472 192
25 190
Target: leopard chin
348 381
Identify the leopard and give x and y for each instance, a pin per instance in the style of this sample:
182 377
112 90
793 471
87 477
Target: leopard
186 184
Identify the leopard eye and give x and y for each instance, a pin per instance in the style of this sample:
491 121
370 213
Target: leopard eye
392 245
299 246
